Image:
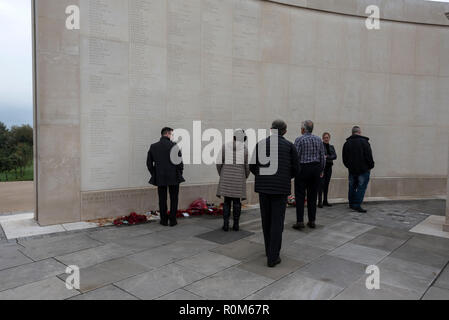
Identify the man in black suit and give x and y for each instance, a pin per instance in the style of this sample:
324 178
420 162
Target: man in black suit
166 173
274 187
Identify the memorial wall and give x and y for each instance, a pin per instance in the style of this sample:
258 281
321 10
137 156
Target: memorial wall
104 92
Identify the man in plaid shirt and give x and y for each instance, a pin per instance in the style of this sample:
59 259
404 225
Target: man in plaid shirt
312 161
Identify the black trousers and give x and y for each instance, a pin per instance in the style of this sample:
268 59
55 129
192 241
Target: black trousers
308 181
324 185
236 204
272 208
174 197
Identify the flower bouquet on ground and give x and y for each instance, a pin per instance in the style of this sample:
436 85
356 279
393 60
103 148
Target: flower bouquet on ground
131 220
200 207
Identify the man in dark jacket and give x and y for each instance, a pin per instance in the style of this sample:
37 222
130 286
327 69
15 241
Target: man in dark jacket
274 187
358 158
166 175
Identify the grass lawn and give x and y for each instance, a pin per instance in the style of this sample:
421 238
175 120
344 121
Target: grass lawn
28 175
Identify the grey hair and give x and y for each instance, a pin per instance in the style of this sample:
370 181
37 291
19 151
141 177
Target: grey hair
356 130
308 126
281 126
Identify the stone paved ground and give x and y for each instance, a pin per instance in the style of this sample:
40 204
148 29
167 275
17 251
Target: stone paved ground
193 262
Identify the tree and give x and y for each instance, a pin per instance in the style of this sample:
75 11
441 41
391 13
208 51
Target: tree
16 149
5 161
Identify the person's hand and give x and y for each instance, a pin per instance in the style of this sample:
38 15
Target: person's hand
322 175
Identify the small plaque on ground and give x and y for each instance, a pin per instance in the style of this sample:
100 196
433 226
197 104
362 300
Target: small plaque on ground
221 237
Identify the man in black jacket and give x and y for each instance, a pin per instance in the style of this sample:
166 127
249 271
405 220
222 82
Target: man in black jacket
166 174
358 158
274 187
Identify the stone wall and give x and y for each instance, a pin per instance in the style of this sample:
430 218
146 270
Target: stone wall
104 92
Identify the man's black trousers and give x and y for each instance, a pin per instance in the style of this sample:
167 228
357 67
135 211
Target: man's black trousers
272 208
308 181
174 197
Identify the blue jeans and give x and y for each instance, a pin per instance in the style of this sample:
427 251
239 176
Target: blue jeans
357 188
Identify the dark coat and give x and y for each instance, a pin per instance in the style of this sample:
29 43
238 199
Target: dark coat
331 156
163 171
288 168
357 155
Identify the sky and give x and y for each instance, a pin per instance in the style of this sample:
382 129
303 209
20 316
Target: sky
16 83
16 97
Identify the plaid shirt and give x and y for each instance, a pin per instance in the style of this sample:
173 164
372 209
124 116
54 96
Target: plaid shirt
311 149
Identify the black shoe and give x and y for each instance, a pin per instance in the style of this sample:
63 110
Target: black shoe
236 227
226 227
164 223
275 263
299 226
320 205
173 223
361 210
327 204
311 225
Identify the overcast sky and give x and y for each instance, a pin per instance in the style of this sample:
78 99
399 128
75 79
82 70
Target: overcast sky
16 104
16 62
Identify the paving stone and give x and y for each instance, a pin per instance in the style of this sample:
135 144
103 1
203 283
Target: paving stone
405 281
93 256
259 266
297 288
436 293
443 279
142 243
221 237
208 263
433 207
181 294
421 256
109 234
241 250
389 232
107 293
326 239
106 273
413 269
359 291
303 252
29 273
173 252
40 249
361 254
157 283
350 228
288 237
182 231
252 227
379 242
10 256
231 284
48 289
334 270
430 243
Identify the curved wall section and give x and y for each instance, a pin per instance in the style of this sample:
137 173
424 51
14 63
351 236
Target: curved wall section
105 91
416 11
